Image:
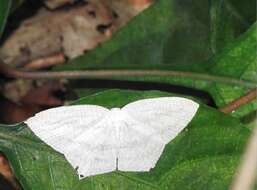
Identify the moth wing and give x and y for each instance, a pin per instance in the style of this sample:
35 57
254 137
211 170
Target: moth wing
77 132
139 148
59 126
151 125
94 151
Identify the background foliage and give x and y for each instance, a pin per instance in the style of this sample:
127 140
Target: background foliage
186 36
214 37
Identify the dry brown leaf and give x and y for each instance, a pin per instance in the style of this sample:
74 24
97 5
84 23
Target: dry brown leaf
46 62
34 100
53 4
139 5
69 31
16 89
127 9
7 174
44 95
11 112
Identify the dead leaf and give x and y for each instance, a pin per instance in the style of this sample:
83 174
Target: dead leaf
11 112
46 62
70 31
14 90
127 9
44 95
8 178
53 4
37 98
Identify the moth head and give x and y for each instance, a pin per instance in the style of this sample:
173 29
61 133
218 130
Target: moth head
117 115
115 109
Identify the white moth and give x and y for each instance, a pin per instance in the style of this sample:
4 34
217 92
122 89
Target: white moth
96 140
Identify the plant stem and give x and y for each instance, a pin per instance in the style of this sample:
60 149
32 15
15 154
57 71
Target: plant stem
11 72
247 172
250 96
46 62
246 175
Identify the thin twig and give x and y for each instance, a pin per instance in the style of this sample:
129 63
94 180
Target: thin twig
11 72
250 96
46 62
247 173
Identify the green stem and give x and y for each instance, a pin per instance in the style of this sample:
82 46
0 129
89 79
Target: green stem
11 72
130 73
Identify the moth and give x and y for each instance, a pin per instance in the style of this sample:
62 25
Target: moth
97 140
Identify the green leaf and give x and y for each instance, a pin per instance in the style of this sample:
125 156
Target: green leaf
237 60
171 32
4 11
228 20
193 36
203 156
